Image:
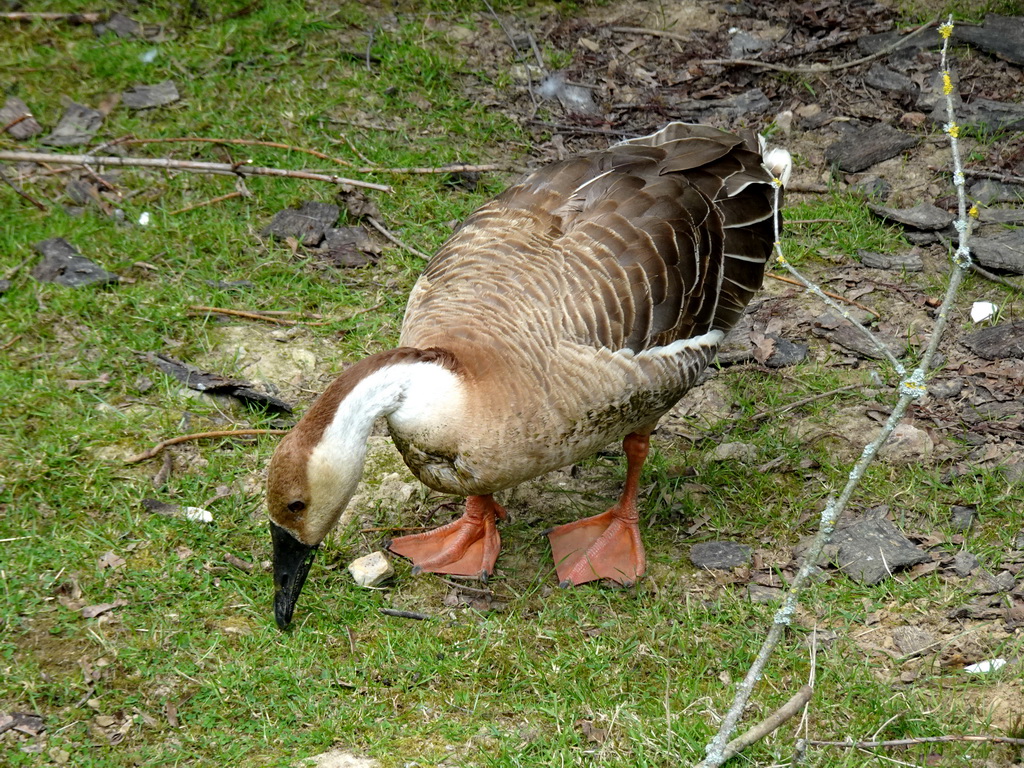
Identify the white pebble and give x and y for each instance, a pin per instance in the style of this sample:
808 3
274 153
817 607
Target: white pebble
371 570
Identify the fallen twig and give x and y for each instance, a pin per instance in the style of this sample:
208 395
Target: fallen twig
246 314
653 33
770 723
803 401
405 614
91 17
819 69
790 222
243 142
831 295
227 169
20 191
384 231
911 387
912 742
242 565
15 121
975 267
156 449
211 201
1007 178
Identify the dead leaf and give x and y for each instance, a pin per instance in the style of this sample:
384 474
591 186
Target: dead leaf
764 347
92 611
112 561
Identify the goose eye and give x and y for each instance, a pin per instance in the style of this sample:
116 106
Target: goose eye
297 506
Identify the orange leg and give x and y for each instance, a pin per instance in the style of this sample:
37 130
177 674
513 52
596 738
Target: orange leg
468 546
606 546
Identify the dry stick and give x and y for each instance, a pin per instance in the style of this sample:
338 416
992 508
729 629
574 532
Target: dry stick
995 175
912 742
405 614
244 142
226 169
74 18
911 388
155 450
192 207
243 313
20 191
995 278
652 33
803 401
384 231
771 723
831 295
814 221
818 69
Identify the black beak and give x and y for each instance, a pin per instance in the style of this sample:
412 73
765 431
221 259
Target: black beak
292 560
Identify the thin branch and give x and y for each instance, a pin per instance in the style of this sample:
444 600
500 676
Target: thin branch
790 222
156 449
405 614
831 295
771 723
975 267
818 69
245 314
653 33
243 142
911 388
227 169
20 191
71 18
387 233
801 402
211 201
912 742
1007 178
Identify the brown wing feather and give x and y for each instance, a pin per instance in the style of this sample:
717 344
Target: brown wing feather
657 239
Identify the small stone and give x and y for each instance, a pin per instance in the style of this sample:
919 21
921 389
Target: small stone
77 125
943 389
864 146
307 224
1018 541
64 265
148 96
961 518
14 108
371 570
964 563
912 120
987 584
870 549
872 187
884 79
786 352
743 45
757 593
907 445
723 555
923 216
909 261
741 452
911 640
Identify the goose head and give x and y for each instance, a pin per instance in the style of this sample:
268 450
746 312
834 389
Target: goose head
317 467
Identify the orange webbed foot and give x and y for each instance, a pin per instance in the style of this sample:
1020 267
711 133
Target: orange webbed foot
605 546
468 546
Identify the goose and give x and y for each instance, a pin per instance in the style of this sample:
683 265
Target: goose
571 311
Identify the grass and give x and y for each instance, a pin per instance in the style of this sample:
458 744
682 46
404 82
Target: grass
191 670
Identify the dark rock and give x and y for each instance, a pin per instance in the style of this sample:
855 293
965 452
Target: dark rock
743 45
120 25
909 261
871 44
786 352
307 224
924 216
77 126
14 108
997 342
863 146
884 79
917 237
988 191
844 334
216 384
1003 251
719 554
348 247
964 563
147 96
872 187
999 35
870 549
987 584
64 265
5 286
761 594
961 518
943 389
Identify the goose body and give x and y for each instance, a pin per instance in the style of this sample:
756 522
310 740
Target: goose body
571 311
